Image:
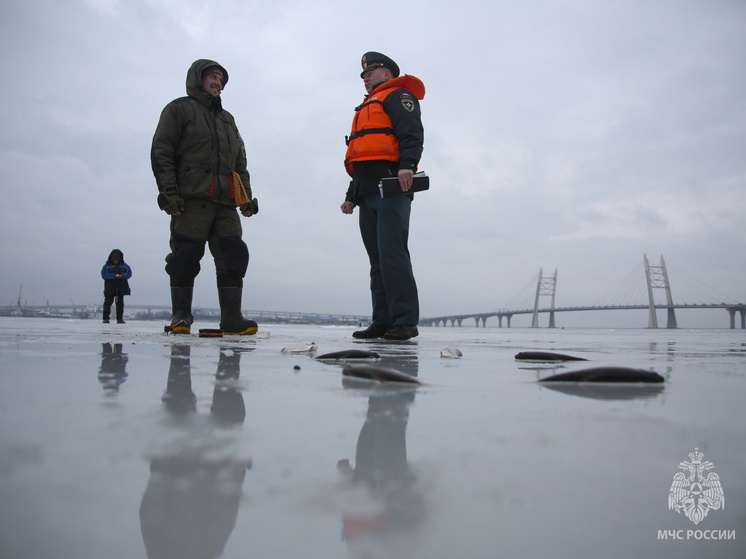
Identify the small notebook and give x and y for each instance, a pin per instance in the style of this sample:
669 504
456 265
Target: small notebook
389 186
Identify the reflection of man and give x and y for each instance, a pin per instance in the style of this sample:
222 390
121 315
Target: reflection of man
386 141
394 506
228 406
190 506
179 398
381 456
112 372
199 162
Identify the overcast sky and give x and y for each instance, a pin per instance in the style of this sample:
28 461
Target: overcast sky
576 135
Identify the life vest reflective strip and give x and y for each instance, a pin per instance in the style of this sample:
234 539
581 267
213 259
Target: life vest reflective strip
372 136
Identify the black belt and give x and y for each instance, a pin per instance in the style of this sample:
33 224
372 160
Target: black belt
366 131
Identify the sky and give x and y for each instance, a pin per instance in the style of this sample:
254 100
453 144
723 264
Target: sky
576 135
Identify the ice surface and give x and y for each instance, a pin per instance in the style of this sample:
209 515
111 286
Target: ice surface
118 441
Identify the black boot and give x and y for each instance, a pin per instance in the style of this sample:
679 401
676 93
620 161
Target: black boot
120 310
181 308
372 331
402 332
107 309
232 321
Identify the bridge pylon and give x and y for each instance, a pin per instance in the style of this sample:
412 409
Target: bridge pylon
545 286
657 277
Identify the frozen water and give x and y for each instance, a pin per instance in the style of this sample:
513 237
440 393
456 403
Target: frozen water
118 441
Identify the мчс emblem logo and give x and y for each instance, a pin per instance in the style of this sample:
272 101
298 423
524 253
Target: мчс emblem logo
695 490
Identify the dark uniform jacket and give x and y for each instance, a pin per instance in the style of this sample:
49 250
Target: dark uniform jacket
403 109
197 147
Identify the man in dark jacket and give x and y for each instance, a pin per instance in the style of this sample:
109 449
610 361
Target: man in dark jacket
199 162
115 272
386 141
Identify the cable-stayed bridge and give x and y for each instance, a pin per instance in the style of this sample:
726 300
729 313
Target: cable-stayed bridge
624 297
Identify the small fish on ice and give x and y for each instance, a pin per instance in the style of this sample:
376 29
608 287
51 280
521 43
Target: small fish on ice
607 374
349 354
546 356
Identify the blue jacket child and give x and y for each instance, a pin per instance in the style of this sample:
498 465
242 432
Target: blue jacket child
115 272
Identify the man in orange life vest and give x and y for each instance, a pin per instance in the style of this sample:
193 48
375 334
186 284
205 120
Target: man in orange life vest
386 141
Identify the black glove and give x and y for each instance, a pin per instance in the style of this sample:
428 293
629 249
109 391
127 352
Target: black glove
170 202
252 207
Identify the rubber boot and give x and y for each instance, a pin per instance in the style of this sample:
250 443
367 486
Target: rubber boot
232 321
181 305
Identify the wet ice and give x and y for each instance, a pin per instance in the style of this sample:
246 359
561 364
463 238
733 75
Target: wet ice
120 441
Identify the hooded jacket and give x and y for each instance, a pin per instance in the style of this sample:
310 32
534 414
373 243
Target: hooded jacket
196 147
113 284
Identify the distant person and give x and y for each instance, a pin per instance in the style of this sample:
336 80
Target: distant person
386 141
115 272
199 162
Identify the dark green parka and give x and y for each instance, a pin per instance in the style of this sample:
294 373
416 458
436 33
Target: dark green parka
197 147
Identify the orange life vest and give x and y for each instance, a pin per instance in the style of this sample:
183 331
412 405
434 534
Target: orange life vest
372 137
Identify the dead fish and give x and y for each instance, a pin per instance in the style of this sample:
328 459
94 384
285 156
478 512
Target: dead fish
607 374
301 347
546 356
350 354
381 374
451 353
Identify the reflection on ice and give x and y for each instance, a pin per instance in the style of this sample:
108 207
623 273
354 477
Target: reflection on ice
380 502
222 448
607 391
381 505
190 505
113 370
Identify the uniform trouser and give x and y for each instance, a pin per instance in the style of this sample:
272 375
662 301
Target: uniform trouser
204 221
384 226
